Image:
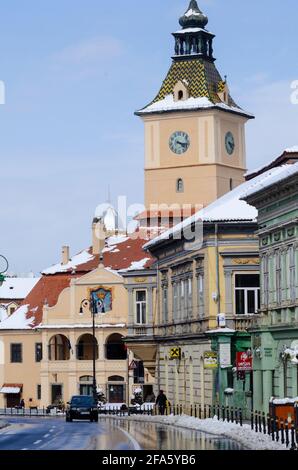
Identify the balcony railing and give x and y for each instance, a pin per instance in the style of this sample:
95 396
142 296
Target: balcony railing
244 322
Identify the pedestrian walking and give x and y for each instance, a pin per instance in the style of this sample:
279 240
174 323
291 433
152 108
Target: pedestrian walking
161 402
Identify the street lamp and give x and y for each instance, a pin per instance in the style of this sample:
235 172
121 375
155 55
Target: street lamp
2 277
92 307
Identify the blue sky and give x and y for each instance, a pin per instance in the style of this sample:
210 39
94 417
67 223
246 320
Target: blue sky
75 71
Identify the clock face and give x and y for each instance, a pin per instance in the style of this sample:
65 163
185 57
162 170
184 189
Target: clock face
230 143
179 142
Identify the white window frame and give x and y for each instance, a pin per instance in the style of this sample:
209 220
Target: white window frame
139 303
256 290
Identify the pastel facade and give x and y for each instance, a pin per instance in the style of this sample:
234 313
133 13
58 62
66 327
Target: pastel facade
275 336
46 346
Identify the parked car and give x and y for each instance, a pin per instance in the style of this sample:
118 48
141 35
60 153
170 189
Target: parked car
83 408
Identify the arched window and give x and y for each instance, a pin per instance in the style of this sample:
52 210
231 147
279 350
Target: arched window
85 348
180 95
231 184
180 186
115 348
59 348
115 378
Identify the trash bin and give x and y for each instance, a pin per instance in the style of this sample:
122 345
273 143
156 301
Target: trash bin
285 410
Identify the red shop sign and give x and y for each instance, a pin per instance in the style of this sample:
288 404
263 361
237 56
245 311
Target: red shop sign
244 362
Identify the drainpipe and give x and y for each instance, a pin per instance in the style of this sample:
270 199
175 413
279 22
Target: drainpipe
158 317
217 271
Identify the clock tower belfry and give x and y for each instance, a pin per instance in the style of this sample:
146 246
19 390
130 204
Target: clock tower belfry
194 131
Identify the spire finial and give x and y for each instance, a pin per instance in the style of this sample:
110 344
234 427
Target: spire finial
193 17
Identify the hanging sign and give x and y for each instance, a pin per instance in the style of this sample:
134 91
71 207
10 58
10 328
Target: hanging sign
243 362
210 360
175 353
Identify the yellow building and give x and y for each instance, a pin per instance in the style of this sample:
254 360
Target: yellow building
46 346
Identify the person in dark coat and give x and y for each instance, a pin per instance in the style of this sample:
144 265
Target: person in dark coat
161 402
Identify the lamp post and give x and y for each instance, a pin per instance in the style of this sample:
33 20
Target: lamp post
92 307
2 277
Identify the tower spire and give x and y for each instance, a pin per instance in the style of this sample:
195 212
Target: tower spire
193 39
193 17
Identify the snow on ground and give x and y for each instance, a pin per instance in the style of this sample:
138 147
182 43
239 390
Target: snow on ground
244 435
19 320
77 260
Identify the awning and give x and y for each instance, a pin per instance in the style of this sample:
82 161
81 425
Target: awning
11 389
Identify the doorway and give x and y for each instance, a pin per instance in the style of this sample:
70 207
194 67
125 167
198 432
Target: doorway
13 400
57 394
116 393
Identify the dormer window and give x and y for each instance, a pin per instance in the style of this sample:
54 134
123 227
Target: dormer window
181 92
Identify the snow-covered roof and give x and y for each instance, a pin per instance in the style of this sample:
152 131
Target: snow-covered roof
17 287
18 320
169 104
292 149
192 30
229 208
3 313
136 265
289 155
81 258
275 177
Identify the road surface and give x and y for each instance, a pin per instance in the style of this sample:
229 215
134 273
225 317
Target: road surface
108 434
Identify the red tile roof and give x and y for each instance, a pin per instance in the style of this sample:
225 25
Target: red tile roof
49 287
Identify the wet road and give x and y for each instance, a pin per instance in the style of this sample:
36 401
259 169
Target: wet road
56 434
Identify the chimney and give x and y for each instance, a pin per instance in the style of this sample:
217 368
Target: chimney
65 255
98 236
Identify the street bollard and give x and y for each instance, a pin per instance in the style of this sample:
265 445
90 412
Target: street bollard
240 417
268 424
260 421
218 412
256 421
264 422
228 415
196 411
293 445
287 434
273 429
223 413
205 412
236 416
232 414
200 411
277 429
282 430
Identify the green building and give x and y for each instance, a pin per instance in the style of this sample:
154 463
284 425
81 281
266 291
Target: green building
275 334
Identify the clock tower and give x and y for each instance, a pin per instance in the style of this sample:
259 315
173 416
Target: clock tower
194 130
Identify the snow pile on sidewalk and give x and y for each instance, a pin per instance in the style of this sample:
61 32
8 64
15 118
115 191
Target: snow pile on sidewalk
3 424
244 435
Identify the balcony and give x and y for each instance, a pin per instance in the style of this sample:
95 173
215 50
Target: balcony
244 322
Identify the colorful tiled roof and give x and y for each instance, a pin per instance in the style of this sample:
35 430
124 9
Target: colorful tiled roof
121 254
202 78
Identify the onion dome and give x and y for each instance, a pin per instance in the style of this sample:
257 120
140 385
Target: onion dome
193 17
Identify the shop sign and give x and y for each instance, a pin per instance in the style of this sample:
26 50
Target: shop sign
243 362
225 355
210 360
175 353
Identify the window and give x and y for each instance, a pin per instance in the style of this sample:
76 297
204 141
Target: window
38 352
231 184
38 392
115 348
12 310
278 276
141 307
180 95
180 186
165 304
247 293
175 301
16 355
